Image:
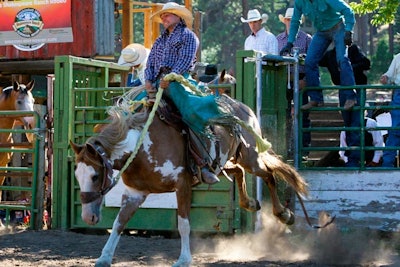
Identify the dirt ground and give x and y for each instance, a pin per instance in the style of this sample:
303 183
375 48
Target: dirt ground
274 245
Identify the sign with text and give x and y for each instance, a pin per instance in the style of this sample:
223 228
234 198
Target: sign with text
29 24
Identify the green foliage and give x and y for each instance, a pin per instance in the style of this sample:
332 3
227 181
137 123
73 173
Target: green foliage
383 11
379 62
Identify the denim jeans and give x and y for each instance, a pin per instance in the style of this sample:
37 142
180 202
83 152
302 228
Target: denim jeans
394 135
319 44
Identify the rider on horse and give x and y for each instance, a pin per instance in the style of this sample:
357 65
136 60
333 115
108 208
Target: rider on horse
175 51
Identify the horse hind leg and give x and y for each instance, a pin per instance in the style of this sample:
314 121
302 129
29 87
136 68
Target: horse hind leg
131 200
276 168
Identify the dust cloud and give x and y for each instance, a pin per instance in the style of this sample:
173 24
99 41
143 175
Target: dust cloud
327 246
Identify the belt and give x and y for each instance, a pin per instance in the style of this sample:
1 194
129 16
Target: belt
334 27
163 71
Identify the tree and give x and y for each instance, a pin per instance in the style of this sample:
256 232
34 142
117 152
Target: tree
383 11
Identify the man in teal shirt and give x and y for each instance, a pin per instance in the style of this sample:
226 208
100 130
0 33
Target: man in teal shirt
334 21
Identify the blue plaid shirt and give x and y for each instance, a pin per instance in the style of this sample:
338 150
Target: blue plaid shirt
176 50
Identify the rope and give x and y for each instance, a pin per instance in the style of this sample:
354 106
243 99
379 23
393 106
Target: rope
142 134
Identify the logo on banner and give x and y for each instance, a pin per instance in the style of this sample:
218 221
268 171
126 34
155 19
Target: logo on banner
28 23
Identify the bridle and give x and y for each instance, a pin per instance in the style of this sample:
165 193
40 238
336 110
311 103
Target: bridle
108 179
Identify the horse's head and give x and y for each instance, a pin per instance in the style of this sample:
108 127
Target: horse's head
224 78
94 174
22 100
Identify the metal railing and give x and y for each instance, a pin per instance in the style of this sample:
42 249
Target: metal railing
31 204
365 106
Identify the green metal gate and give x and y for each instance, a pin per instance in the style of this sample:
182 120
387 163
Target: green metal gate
34 190
83 90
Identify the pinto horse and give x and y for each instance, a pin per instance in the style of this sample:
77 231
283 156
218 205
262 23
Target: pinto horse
17 97
160 165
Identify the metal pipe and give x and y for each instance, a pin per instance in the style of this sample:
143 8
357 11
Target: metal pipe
296 106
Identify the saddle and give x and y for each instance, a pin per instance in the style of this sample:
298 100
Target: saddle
196 149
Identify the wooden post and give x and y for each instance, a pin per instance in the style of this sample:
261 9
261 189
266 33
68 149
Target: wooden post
127 23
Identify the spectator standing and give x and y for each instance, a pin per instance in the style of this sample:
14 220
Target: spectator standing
260 39
302 42
334 21
135 56
392 76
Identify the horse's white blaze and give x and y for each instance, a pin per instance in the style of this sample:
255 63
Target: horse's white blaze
127 145
83 174
168 170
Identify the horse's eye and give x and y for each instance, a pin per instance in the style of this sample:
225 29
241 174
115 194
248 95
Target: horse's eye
95 178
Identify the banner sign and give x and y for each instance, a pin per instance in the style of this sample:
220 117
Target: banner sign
29 24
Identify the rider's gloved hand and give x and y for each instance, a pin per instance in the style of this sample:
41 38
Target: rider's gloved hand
286 49
348 38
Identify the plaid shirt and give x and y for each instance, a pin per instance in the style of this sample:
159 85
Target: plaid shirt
302 41
176 50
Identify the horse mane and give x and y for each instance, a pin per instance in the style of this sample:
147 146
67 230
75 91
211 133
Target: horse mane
6 92
122 119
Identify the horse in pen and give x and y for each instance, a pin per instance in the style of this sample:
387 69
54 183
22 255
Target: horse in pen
151 156
17 97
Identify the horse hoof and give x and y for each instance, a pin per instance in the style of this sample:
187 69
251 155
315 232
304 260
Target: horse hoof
286 217
102 264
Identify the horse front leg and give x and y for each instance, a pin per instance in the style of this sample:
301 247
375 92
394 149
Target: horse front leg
284 215
131 200
184 198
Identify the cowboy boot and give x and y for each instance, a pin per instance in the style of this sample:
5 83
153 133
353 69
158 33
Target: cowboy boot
208 177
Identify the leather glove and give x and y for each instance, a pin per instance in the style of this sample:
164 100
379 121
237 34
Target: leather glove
286 49
348 38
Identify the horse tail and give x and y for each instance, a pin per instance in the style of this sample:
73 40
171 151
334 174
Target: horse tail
285 172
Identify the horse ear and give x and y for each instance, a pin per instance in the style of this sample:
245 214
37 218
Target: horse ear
30 85
15 86
77 148
222 75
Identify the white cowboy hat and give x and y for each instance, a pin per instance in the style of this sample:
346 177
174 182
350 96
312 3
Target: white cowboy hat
254 15
174 8
132 55
288 14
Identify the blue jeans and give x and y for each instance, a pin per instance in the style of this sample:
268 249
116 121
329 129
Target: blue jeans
319 44
394 135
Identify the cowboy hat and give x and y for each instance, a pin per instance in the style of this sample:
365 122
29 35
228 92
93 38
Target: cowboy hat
254 15
210 73
132 55
174 8
288 15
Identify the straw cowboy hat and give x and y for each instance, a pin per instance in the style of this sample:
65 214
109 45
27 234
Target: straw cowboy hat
132 55
210 73
254 15
174 8
288 15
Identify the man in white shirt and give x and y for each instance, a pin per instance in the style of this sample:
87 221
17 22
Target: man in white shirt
392 76
372 137
259 40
